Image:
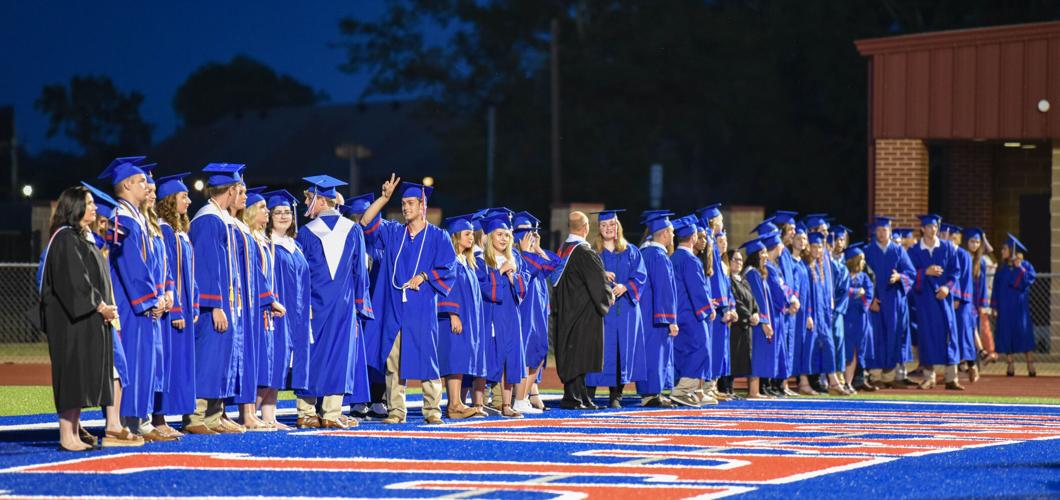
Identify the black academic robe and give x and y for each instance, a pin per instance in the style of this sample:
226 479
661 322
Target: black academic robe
75 280
580 299
740 337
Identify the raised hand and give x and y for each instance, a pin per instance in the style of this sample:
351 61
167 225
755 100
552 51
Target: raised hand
390 185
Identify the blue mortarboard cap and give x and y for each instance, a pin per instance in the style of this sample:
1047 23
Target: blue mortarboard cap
100 198
279 197
800 228
495 221
784 217
149 171
525 220
105 210
359 204
815 220
753 246
903 232
172 184
1014 243
323 185
720 234
973 232
413 190
459 223
815 237
764 227
657 221
254 195
119 171
853 250
708 231
770 240
927 219
476 221
135 160
222 174
685 226
840 230
881 221
608 214
709 212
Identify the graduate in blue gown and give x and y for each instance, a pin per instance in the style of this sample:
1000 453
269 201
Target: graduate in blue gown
764 344
461 325
787 262
975 243
937 270
819 312
805 338
787 304
290 345
711 220
219 329
856 325
890 307
658 300
503 280
539 264
837 241
178 324
416 272
139 300
694 312
334 248
158 263
966 312
1012 282
623 325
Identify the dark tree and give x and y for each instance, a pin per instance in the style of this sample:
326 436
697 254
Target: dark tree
96 115
759 102
240 85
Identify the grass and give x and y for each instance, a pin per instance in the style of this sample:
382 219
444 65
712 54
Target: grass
24 352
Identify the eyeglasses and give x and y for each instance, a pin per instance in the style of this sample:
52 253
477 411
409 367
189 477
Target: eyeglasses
278 213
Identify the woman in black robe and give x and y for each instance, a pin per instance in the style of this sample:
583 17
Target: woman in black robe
747 313
75 304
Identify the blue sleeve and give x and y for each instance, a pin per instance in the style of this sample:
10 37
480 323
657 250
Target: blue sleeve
209 240
129 261
695 284
454 302
638 275
487 279
664 293
1024 277
905 268
170 242
441 274
760 294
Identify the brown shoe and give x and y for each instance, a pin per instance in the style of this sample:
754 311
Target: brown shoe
327 423
169 431
87 437
312 422
393 419
228 427
433 419
156 436
460 413
121 439
954 386
508 412
199 429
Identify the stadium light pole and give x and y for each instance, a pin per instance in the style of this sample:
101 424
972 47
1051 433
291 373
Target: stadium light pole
353 152
557 175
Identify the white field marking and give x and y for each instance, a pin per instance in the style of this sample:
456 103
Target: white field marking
440 484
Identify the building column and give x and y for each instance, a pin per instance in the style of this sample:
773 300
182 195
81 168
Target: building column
1054 251
901 180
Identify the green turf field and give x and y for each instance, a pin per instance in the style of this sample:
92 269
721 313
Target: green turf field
29 400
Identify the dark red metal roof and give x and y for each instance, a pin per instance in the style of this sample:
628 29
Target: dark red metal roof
982 83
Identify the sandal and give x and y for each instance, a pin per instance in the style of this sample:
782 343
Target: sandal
87 437
508 412
535 401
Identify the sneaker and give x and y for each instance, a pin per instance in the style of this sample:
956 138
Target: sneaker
359 411
378 411
523 406
684 400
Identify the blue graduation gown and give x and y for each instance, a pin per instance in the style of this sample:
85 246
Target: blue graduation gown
692 343
764 352
462 353
501 315
257 298
856 325
890 326
723 301
135 294
623 324
936 321
658 303
535 307
291 344
267 295
786 264
840 282
804 339
159 272
334 248
819 307
966 315
1015 331
215 275
179 395
376 255
430 251
782 298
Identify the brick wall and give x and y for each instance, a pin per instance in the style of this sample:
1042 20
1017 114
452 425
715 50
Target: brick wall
1017 172
901 179
968 184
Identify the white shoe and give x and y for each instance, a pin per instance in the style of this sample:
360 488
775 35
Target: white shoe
378 411
359 411
707 401
524 406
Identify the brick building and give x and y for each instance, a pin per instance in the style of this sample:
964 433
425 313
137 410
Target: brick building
966 124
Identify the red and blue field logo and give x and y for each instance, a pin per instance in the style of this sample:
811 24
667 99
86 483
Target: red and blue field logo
781 449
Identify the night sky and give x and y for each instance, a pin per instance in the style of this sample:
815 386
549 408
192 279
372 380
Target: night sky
153 46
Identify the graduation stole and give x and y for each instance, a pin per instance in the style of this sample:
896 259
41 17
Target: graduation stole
564 254
135 214
397 256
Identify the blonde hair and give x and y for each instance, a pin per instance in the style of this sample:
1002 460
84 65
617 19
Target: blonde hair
249 214
152 219
597 239
489 254
469 254
330 202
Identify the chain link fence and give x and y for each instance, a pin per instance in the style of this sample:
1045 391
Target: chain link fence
21 343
